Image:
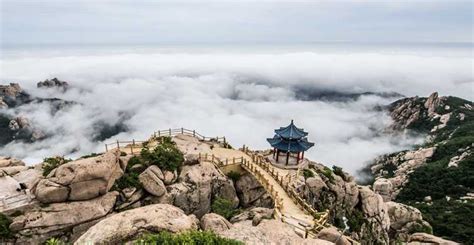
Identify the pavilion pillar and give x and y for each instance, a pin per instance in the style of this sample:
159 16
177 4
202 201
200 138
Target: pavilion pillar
302 155
298 158
278 154
287 157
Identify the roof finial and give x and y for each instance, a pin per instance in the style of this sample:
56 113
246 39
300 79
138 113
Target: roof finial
291 121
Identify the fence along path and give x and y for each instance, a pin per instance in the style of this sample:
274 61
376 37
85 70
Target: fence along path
289 206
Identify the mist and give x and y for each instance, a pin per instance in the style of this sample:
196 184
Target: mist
243 95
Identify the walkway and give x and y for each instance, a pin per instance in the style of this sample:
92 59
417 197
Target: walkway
289 206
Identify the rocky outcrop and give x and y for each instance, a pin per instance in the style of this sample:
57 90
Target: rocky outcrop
404 220
38 225
129 224
152 180
268 232
396 168
251 193
214 222
331 234
198 185
12 90
82 179
377 220
425 238
10 162
255 214
53 83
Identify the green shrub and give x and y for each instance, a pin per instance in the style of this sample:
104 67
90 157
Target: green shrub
186 238
327 172
338 171
5 231
51 163
54 241
224 208
356 220
307 173
127 180
122 154
166 156
90 155
235 176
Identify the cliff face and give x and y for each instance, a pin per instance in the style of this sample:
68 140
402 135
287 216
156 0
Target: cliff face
436 177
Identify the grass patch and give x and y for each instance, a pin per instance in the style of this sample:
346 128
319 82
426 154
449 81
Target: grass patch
307 173
186 238
224 208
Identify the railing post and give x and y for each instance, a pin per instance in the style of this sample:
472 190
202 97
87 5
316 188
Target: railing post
225 141
154 134
233 160
170 132
182 131
212 157
159 133
131 147
199 155
106 150
194 133
118 145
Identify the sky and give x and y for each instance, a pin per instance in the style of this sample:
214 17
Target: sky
234 69
221 22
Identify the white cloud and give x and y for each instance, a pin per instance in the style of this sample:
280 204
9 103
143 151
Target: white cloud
242 95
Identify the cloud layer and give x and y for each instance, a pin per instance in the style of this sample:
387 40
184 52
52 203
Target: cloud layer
243 95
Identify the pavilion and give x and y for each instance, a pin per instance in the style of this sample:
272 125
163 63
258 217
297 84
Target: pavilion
290 140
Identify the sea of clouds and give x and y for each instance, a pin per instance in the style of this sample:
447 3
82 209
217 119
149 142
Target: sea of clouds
243 95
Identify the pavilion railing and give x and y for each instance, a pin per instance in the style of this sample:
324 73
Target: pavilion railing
5 202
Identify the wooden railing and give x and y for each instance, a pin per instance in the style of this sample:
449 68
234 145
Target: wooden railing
173 132
21 197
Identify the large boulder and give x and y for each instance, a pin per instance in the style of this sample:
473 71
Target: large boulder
405 219
252 193
214 222
198 185
10 162
383 187
256 214
53 219
152 180
331 234
377 220
129 224
82 179
268 232
425 238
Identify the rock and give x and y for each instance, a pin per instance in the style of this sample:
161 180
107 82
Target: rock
268 232
151 181
132 199
214 222
12 90
53 83
129 224
10 162
29 177
401 214
39 225
376 214
427 199
82 179
169 177
13 170
251 193
3 104
198 185
383 187
262 213
432 103
331 234
191 159
429 239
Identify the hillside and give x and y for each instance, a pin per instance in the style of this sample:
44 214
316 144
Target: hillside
436 177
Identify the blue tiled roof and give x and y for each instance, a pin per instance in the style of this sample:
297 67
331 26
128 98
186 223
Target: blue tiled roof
290 145
291 132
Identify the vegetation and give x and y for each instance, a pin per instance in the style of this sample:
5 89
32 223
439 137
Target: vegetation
235 176
449 219
90 155
224 208
51 163
327 172
186 238
165 155
5 231
54 241
307 173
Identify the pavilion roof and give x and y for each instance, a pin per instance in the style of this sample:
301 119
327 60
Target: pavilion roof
291 132
290 145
